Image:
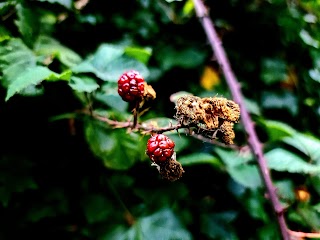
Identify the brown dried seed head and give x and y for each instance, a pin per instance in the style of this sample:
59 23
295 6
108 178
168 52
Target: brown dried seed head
187 110
208 115
227 132
224 108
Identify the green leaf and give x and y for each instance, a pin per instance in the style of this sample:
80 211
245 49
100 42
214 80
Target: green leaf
283 100
40 212
180 141
53 204
163 224
219 225
50 47
269 232
20 72
308 39
315 74
273 71
239 169
285 190
282 160
112 100
97 208
6 6
31 76
66 75
309 145
14 71
116 68
32 90
110 97
200 158
4 34
15 57
105 54
21 54
317 207
83 84
84 67
252 107
233 158
246 175
165 196
27 23
117 149
109 62
170 1
141 54
170 57
14 177
255 205
188 8
315 181
311 217
65 3
278 130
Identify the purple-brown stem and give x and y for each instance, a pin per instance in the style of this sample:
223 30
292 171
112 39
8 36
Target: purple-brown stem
234 87
151 129
135 114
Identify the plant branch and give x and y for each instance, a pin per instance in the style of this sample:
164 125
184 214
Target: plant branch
150 129
234 87
302 235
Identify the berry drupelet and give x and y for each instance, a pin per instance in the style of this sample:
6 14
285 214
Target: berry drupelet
160 148
131 86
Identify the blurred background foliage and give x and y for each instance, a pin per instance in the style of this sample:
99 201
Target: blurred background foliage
64 175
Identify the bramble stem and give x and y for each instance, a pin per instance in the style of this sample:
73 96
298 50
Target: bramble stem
301 235
234 87
135 114
150 129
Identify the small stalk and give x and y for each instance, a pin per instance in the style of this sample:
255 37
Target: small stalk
135 114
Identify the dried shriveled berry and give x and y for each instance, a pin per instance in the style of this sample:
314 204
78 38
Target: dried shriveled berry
160 148
131 86
171 169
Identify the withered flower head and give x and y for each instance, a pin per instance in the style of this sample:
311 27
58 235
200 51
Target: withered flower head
149 92
213 116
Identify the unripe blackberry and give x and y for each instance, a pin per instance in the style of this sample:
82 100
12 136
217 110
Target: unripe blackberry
160 148
131 86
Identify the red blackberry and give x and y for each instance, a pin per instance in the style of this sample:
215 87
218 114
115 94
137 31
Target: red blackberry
160 148
131 86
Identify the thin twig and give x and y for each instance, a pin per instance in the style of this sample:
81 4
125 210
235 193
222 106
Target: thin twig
303 234
150 129
138 126
234 87
135 114
214 142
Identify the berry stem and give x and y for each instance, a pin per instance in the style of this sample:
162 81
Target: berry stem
135 115
152 130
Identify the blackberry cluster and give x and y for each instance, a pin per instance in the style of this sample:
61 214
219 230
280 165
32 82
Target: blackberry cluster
131 86
160 148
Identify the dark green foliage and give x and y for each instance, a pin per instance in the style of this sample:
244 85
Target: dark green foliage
65 175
